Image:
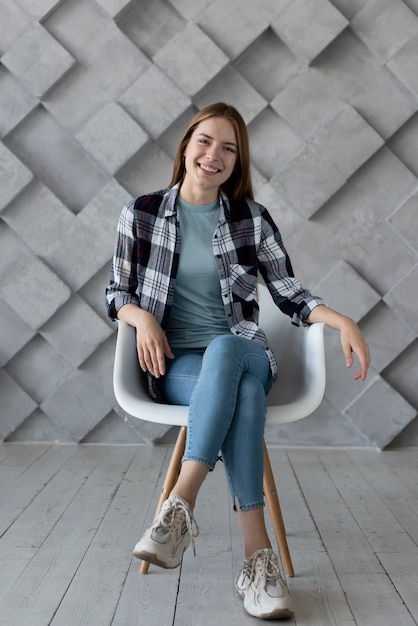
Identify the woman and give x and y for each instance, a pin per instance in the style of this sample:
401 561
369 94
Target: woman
184 274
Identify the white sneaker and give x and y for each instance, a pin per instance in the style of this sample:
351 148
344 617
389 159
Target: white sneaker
169 536
260 585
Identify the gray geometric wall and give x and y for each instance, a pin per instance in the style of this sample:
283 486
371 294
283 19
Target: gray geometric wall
93 97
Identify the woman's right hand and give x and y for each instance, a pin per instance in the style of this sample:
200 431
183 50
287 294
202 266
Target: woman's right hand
151 341
152 346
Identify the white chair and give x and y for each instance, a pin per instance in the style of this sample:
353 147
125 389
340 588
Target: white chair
295 395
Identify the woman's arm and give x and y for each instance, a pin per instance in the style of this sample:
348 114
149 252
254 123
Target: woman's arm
151 342
352 339
300 303
122 287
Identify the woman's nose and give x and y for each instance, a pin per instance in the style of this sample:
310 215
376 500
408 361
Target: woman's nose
212 152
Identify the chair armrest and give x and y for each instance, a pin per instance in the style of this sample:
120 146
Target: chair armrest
130 387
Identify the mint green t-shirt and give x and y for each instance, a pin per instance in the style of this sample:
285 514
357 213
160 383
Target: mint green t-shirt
197 314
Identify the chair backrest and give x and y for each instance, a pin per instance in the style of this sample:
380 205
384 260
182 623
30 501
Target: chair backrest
297 392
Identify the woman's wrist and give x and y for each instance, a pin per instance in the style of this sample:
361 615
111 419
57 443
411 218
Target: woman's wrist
331 318
133 315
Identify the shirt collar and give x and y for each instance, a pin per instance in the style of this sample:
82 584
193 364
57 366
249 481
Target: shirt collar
170 198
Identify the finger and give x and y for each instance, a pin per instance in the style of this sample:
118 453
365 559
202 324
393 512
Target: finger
348 355
159 367
358 375
145 359
364 358
142 362
158 362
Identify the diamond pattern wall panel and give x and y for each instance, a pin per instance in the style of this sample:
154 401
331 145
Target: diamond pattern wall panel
94 95
37 60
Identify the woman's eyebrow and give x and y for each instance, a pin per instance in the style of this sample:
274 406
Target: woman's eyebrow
227 143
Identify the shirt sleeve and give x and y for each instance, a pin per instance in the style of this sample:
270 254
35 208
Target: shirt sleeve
122 288
276 269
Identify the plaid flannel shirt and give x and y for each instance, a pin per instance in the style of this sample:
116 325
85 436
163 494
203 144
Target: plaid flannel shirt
246 242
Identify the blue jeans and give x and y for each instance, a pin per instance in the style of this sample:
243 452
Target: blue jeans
225 386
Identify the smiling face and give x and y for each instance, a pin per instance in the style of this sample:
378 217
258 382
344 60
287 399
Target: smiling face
210 158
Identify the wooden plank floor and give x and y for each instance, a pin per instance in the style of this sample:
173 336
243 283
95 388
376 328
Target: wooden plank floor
70 515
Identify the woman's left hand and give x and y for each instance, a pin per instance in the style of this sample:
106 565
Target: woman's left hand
352 339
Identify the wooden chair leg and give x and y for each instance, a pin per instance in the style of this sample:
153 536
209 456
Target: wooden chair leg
170 479
273 504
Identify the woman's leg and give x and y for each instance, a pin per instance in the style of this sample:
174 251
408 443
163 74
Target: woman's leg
226 393
243 447
226 361
171 533
254 532
191 477
227 412
177 385
243 455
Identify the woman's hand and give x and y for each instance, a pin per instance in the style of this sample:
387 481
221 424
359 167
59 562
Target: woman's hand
152 346
151 341
352 339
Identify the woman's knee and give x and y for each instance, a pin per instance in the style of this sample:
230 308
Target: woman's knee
223 345
238 351
229 357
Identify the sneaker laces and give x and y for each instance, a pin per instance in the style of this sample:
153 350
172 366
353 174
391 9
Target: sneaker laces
179 506
267 563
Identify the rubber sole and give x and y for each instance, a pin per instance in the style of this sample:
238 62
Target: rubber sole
277 614
154 560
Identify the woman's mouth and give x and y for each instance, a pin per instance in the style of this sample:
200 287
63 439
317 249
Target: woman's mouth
208 169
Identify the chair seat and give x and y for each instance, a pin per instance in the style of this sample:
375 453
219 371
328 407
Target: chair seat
297 392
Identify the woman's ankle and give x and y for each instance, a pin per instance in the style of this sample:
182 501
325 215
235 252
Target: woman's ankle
190 501
253 548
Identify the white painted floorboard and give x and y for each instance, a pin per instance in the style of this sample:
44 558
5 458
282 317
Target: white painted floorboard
70 516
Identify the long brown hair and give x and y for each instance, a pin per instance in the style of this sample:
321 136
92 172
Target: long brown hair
239 184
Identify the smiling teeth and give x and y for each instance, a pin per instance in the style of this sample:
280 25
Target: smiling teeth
209 169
